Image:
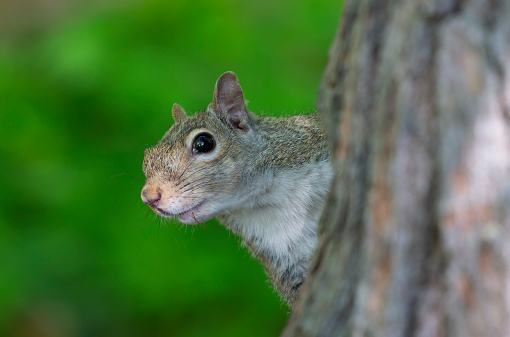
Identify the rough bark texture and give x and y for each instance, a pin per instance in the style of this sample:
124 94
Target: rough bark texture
415 240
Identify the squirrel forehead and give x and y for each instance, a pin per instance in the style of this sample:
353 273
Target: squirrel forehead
168 153
178 133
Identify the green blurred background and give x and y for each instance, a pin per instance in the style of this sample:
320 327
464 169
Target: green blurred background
85 86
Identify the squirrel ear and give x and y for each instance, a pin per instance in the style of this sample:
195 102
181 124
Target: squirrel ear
228 101
178 113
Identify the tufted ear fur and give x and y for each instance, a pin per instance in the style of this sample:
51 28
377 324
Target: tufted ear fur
228 101
178 113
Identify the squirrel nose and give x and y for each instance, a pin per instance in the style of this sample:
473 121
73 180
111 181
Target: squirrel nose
151 196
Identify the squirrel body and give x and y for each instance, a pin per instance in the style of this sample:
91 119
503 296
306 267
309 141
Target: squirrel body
264 178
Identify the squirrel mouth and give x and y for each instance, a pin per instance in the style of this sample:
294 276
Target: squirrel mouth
162 212
188 217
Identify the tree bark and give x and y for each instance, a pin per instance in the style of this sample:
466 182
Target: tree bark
415 237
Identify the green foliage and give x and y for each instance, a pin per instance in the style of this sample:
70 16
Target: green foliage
81 255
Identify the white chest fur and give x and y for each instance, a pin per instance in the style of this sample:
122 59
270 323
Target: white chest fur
279 222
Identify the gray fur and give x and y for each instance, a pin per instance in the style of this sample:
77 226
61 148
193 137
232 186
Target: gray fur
266 180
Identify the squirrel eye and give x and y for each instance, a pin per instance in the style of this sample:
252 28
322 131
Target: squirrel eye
203 143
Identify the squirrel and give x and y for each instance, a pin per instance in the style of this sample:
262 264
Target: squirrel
263 178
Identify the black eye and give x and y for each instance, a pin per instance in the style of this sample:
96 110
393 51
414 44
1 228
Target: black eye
203 143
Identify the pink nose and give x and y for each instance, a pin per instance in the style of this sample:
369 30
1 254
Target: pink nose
151 196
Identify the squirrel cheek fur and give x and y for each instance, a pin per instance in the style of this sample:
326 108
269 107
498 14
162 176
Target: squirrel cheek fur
264 178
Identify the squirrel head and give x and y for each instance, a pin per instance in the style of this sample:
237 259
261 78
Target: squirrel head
197 167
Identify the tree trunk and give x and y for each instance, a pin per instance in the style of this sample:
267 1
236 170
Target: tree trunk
415 239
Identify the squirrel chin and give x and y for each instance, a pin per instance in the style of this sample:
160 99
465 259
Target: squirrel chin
194 215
